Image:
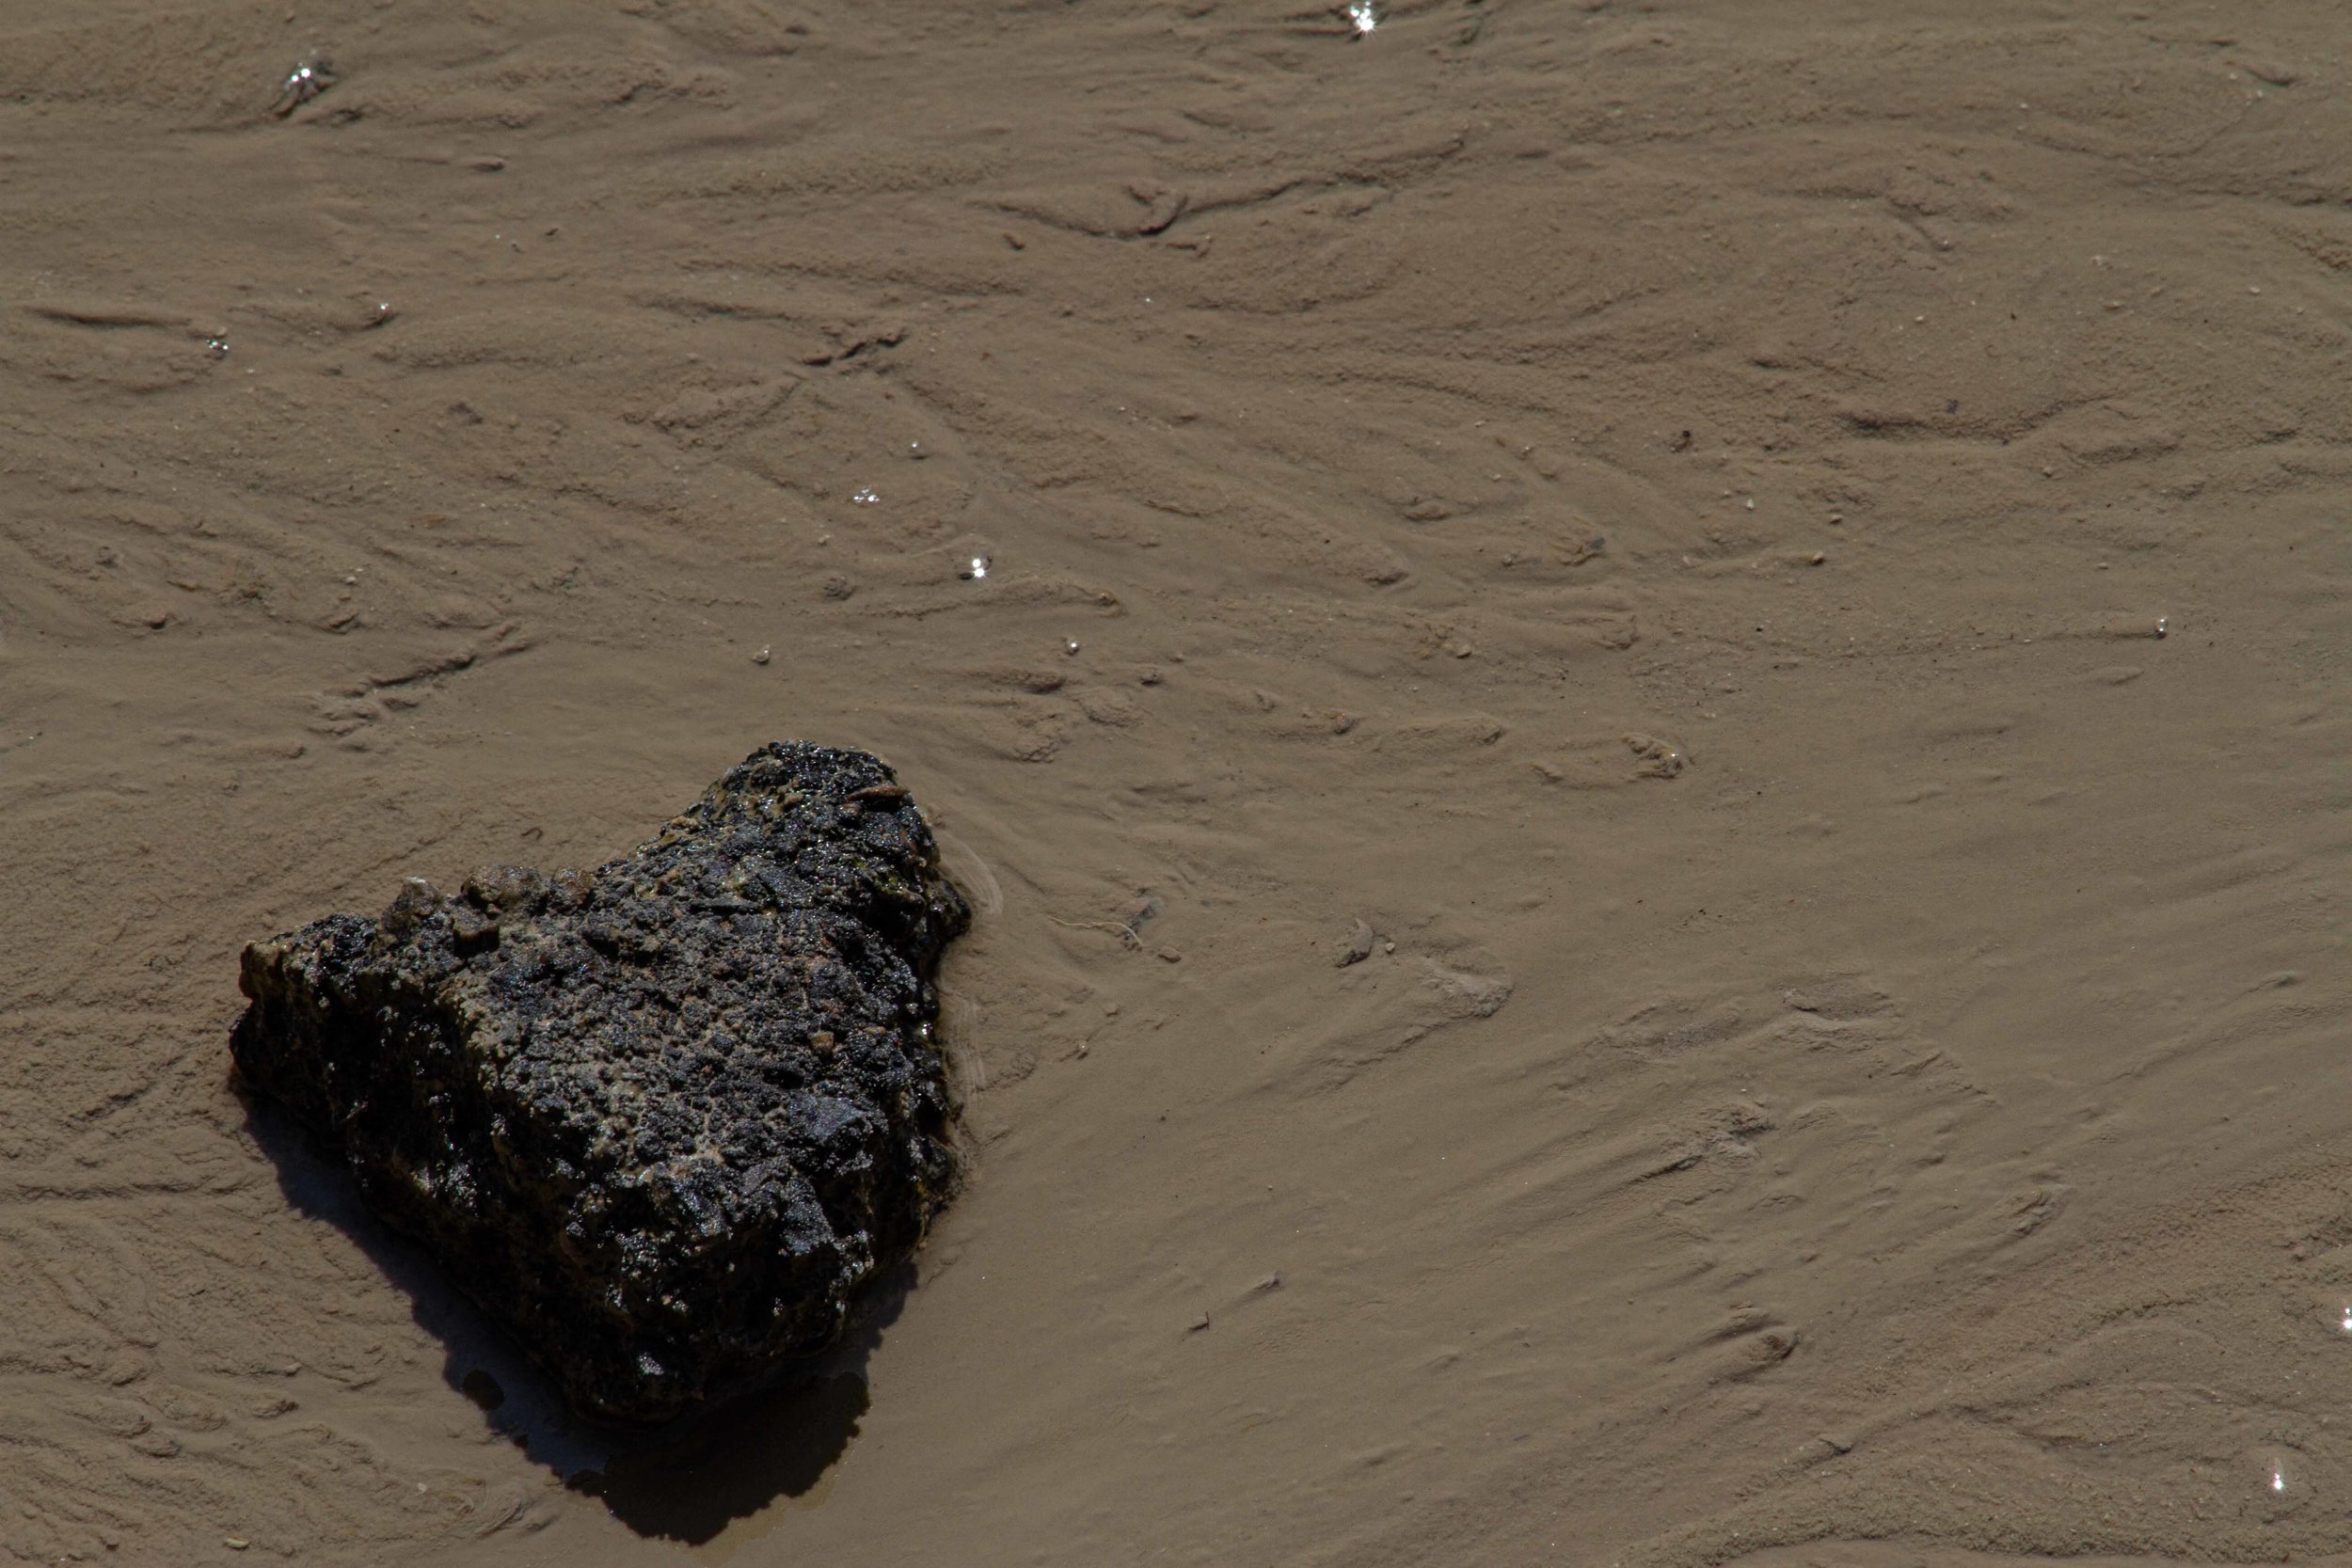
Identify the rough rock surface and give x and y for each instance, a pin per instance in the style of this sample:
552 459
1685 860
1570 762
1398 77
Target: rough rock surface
664 1118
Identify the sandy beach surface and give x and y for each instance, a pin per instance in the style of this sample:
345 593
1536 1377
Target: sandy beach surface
1648 705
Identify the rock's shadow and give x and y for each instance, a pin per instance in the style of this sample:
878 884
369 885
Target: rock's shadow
687 1481
688 1484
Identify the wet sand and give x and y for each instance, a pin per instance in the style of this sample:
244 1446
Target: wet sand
1776 570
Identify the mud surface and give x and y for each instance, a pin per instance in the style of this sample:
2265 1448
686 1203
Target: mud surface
1663 513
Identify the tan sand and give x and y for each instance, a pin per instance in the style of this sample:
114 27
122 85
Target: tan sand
1663 513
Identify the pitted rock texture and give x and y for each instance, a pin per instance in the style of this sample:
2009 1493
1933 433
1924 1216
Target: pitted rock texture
663 1120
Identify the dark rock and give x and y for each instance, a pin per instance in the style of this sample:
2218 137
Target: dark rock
663 1120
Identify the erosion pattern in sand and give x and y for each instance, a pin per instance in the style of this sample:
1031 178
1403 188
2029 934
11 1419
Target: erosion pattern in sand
1661 512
